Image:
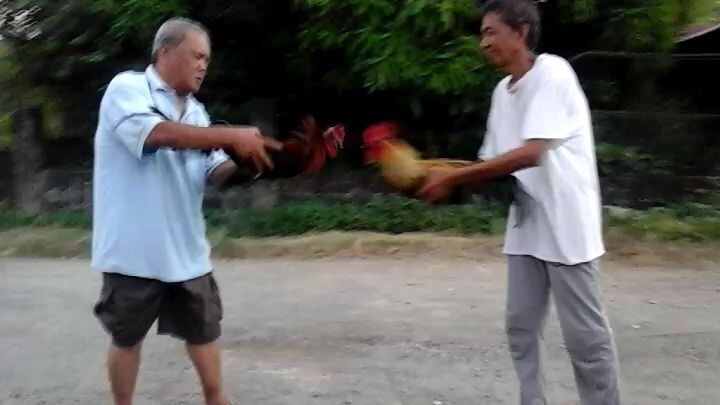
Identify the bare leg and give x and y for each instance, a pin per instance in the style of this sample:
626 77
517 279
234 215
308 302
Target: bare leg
206 359
123 365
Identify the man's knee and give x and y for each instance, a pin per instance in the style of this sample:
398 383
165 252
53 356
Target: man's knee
126 347
521 334
589 345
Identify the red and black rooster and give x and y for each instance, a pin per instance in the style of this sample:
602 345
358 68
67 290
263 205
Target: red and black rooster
304 152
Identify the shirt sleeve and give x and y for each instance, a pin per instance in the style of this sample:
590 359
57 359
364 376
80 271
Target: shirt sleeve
547 115
216 157
131 118
487 149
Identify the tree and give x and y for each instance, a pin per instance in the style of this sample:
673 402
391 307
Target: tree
621 25
419 55
417 48
80 44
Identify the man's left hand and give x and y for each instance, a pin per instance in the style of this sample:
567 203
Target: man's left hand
438 185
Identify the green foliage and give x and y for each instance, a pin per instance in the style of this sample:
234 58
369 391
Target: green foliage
385 215
417 47
418 54
65 219
81 44
639 25
688 221
138 19
616 160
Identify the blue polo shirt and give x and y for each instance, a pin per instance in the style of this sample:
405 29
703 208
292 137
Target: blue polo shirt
147 204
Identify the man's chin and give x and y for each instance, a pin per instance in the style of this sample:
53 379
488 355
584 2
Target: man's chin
495 62
194 89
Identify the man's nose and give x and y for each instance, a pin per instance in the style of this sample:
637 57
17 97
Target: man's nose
485 43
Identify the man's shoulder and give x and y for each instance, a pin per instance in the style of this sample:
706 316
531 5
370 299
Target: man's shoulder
502 84
199 108
554 67
128 79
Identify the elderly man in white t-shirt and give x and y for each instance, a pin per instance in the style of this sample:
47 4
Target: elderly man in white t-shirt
539 130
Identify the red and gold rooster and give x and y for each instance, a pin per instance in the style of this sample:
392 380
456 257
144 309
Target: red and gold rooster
402 168
399 163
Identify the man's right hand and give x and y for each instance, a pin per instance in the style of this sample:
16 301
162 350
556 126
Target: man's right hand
250 145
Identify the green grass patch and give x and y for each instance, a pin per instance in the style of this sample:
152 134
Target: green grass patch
693 222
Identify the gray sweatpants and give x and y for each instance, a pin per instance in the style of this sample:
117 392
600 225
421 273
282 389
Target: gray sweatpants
585 328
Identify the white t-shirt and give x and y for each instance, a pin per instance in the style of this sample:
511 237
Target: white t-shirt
563 221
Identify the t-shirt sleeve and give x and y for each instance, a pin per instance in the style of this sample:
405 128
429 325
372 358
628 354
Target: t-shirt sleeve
130 116
487 149
547 115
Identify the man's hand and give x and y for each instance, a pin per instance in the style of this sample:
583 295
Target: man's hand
249 144
438 185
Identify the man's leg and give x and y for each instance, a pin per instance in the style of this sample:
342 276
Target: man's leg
123 365
127 308
526 311
587 333
206 359
193 312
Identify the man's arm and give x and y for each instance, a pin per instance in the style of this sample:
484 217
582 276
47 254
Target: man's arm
224 172
439 183
528 155
142 130
180 136
246 142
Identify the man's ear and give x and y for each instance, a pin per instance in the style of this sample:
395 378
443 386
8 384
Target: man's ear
525 32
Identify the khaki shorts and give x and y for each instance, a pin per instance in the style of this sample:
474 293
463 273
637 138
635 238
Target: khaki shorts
189 310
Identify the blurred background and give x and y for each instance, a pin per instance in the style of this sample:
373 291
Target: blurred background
649 68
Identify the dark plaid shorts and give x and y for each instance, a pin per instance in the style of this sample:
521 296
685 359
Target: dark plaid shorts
189 310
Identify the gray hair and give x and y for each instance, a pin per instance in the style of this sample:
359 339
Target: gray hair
173 32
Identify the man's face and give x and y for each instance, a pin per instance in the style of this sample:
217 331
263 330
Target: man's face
501 44
189 62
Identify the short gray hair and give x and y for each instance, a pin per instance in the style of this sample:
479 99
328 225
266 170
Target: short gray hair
173 32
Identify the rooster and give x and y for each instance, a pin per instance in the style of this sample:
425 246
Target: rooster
304 152
401 166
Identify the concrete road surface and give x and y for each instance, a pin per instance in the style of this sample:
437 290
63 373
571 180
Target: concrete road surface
376 332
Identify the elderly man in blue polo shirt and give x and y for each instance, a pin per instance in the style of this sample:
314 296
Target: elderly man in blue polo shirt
151 168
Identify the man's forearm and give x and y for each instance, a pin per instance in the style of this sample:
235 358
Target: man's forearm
508 163
181 136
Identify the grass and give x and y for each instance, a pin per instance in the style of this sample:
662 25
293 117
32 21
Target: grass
387 215
698 221
383 226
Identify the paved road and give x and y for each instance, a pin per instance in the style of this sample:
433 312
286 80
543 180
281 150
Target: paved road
378 332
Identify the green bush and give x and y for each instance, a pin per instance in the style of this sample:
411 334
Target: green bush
693 221
386 215
65 219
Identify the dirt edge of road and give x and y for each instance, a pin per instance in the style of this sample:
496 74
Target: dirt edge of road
69 243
